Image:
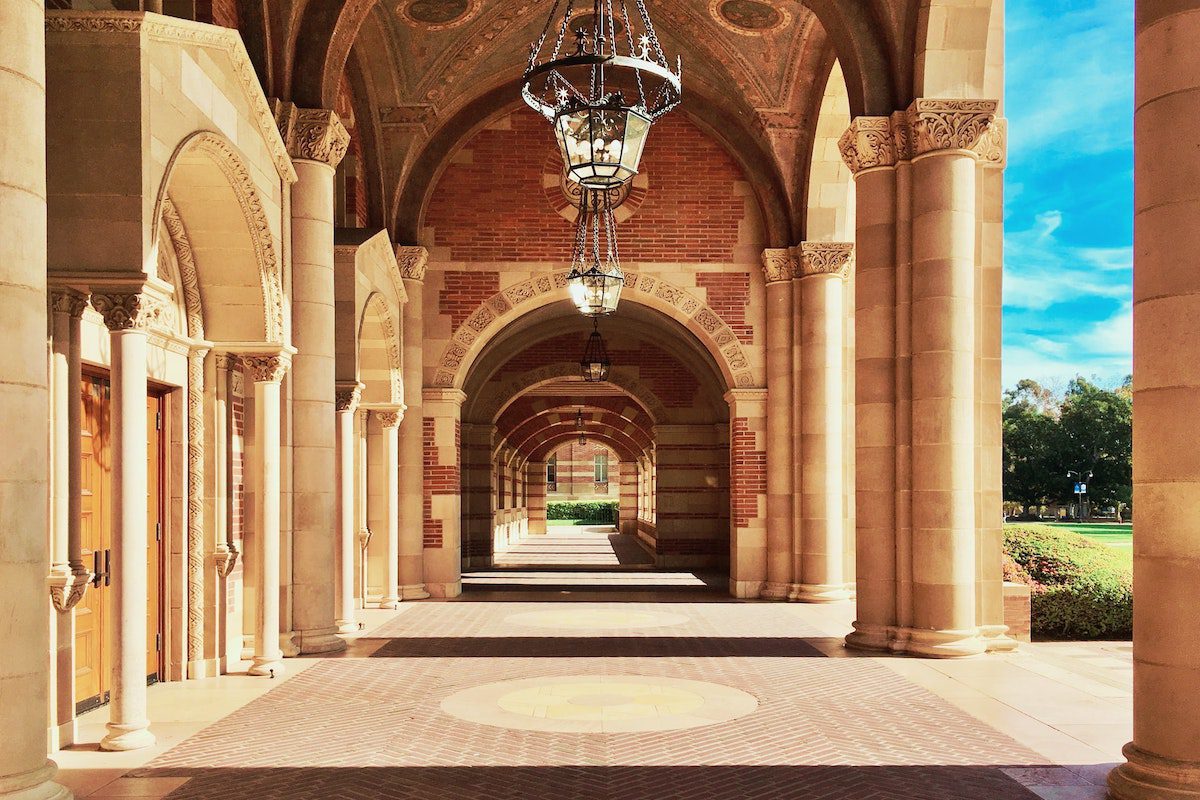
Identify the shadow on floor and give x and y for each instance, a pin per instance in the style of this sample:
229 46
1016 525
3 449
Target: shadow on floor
600 783
605 647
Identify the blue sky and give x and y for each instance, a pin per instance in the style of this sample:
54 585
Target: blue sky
1069 184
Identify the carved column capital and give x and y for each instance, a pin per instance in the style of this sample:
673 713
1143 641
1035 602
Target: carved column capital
225 558
312 134
67 587
125 310
266 368
412 262
347 396
388 418
68 301
826 258
868 143
938 124
779 264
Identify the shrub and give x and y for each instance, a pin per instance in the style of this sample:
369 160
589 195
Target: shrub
585 510
1081 589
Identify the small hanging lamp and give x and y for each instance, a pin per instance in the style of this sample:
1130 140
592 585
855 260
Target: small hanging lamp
579 424
594 365
596 279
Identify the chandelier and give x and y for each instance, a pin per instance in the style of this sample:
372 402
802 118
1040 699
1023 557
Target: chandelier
595 280
602 96
594 364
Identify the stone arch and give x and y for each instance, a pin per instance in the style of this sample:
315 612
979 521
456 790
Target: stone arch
378 365
673 301
185 261
543 449
211 191
829 208
959 49
492 404
325 35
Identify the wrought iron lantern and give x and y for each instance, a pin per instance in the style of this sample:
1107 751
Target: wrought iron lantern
595 280
579 424
594 364
603 96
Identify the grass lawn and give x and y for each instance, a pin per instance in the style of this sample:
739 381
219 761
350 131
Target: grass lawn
1118 537
565 523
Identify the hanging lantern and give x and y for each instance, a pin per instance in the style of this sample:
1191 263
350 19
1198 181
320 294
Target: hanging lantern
594 364
602 96
579 424
595 280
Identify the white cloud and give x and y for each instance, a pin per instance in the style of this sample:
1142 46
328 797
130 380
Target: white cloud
1041 272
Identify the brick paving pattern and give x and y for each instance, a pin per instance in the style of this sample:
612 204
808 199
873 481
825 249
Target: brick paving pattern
369 724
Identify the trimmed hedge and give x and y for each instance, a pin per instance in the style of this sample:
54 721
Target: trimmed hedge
1081 589
586 510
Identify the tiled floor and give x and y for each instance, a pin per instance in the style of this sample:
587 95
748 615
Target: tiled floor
827 724
578 546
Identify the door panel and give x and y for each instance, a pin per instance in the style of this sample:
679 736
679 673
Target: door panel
154 500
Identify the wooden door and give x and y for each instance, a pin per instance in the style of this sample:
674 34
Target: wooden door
154 518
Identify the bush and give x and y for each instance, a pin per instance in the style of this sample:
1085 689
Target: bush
584 510
1080 588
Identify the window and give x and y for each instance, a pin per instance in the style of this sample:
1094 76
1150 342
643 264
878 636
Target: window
552 472
602 468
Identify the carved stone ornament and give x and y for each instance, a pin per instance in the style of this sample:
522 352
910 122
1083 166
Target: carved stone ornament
127 311
346 398
412 262
779 264
868 143
389 419
68 588
68 301
826 258
312 134
225 559
949 124
266 368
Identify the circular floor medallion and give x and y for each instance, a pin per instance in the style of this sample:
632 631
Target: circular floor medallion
595 619
600 704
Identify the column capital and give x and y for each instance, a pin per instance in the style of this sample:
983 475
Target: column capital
267 367
347 396
124 309
412 261
826 258
779 264
388 417
938 124
64 300
868 143
311 134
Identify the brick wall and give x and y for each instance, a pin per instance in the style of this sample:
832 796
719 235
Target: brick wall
748 478
577 471
466 291
440 479
490 204
729 296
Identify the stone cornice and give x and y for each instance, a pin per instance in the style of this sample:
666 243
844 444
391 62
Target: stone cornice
826 258
868 143
779 264
938 124
412 262
180 31
311 134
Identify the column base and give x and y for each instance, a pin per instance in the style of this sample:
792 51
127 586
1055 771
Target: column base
414 591
1146 776
347 626
939 644
775 591
869 636
745 590
444 590
324 640
818 593
997 640
34 785
389 601
128 736
267 666
206 668
287 644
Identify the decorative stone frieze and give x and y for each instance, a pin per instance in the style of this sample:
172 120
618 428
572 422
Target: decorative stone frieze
412 262
779 264
826 258
312 134
128 310
266 368
868 143
949 124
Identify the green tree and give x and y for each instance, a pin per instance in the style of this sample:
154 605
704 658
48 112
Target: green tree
1030 430
1095 433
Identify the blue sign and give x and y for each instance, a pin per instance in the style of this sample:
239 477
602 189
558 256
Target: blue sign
1081 488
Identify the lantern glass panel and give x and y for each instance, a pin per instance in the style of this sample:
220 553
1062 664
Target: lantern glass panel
601 147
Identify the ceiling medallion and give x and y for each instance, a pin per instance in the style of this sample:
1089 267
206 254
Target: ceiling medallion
436 15
749 17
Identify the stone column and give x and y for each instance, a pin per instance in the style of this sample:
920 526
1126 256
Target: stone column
267 372
317 141
412 261
628 499
869 151
25 771
535 482
747 491
823 268
127 315
779 267
443 488
1164 756
382 514
347 405
904 322
944 618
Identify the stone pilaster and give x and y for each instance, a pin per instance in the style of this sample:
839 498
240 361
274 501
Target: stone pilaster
442 429
748 491
412 262
824 267
346 404
316 141
382 512
1164 756
779 268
